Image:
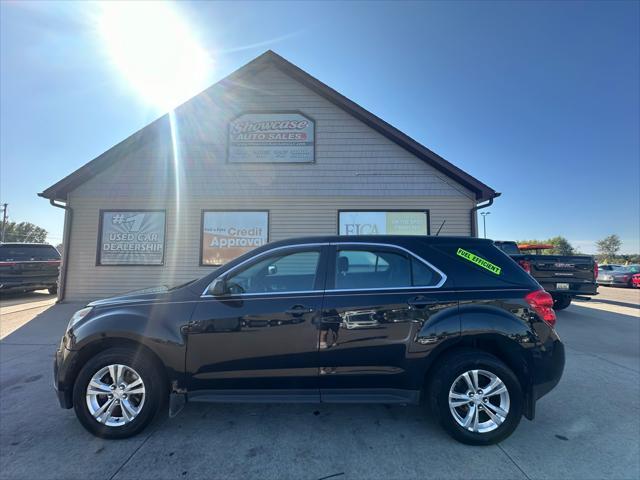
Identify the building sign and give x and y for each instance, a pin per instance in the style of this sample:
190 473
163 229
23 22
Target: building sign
277 137
383 223
227 235
131 237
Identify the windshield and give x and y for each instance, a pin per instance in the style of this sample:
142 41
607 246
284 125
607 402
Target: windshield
182 284
26 253
629 269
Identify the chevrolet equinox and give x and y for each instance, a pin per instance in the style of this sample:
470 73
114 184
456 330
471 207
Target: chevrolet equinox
372 319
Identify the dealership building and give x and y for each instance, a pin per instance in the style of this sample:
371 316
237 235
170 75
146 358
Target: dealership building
267 153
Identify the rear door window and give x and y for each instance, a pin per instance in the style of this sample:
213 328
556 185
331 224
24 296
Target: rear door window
370 268
28 253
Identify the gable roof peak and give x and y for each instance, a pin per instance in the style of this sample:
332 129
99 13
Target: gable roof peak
483 192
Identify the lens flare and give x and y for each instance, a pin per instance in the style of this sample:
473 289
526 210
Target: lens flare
155 50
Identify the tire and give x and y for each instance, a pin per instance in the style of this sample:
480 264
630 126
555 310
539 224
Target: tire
560 302
53 290
142 407
448 377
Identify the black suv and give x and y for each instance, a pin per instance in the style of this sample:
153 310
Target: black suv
371 319
25 267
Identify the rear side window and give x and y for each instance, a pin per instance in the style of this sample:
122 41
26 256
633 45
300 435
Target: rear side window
28 253
373 268
483 265
510 248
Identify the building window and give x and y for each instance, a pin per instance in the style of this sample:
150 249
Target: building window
388 222
131 237
226 235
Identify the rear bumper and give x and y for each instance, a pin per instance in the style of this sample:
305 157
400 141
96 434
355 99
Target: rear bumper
613 283
28 283
575 288
548 366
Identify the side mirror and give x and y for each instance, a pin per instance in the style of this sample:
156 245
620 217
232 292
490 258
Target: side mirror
272 269
218 287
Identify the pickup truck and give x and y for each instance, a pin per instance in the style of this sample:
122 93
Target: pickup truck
563 276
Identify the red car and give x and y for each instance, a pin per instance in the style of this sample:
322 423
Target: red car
635 280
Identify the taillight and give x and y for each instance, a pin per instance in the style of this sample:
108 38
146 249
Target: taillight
595 270
542 302
526 265
7 264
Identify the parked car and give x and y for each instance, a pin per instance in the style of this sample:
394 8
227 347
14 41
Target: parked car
563 276
371 319
607 267
26 267
620 277
635 280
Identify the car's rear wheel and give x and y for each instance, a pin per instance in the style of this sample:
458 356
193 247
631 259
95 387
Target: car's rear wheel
476 397
560 302
118 393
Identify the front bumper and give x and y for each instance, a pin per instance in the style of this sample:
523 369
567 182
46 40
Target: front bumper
63 359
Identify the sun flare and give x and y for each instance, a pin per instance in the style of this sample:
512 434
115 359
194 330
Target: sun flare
155 50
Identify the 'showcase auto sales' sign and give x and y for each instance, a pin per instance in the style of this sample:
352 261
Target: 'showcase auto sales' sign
277 137
131 238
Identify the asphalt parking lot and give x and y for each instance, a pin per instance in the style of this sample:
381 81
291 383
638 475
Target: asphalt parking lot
588 427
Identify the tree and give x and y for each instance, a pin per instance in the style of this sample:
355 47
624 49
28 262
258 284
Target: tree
609 246
24 232
561 246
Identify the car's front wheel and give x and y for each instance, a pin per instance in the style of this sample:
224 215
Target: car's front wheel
118 393
476 397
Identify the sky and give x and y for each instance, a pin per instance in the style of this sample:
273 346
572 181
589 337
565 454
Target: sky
539 100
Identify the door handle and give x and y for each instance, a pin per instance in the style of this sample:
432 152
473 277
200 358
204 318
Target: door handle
422 302
298 310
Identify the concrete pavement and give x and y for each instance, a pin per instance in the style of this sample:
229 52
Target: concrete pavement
588 427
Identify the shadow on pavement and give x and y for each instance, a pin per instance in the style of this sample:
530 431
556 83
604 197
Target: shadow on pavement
614 302
8 299
45 328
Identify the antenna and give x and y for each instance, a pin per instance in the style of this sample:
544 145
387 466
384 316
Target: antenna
443 222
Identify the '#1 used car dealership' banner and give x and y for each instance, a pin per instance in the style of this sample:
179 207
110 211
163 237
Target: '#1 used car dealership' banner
131 238
227 235
384 223
271 138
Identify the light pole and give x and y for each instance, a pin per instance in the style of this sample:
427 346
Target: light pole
4 219
484 222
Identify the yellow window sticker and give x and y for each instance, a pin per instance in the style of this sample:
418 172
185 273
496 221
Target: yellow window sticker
481 262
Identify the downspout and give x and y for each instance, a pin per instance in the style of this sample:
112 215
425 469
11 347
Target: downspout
472 214
66 241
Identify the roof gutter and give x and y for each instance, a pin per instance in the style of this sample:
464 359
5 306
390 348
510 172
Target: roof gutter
473 217
66 241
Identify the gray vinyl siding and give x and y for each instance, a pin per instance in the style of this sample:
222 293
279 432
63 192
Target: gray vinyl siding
351 158
355 168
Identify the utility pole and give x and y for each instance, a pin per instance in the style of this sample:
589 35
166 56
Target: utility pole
4 219
484 222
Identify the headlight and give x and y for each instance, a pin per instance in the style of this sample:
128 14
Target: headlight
79 315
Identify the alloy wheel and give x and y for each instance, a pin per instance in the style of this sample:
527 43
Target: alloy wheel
115 395
479 401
